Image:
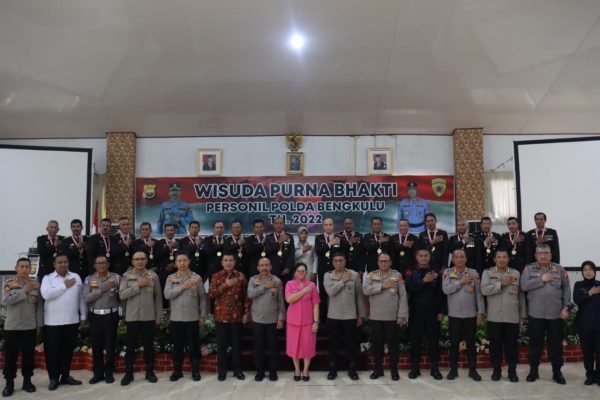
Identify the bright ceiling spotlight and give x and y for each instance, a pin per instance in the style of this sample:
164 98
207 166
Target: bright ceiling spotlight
297 41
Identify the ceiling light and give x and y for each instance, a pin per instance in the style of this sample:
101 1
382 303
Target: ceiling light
297 41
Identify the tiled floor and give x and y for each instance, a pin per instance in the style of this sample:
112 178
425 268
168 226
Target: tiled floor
319 387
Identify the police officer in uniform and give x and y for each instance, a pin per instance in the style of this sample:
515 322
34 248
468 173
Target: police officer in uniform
100 293
100 244
185 291
120 256
174 211
268 315
236 245
326 245
355 252
280 248
214 247
74 247
24 318
413 209
345 312
255 245
467 242
548 301
542 235
436 240
48 247
465 311
505 309
489 242
140 289
193 245
402 245
375 243
389 306
514 242
426 303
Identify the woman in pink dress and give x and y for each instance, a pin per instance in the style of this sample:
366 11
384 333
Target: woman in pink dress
302 321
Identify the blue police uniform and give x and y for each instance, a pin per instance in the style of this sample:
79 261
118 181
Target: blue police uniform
178 213
413 210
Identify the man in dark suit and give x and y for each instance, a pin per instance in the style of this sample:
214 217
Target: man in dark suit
74 247
489 243
468 242
48 246
402 246
379 164
214 247
280 249
236 245
120 258
209 164
101 244
436 240
542 235
375 243
515 244
355 252
255 246
193 245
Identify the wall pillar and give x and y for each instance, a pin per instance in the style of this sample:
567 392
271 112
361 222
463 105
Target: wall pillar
120 174
468 173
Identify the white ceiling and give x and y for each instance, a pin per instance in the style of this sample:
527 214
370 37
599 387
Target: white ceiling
80 68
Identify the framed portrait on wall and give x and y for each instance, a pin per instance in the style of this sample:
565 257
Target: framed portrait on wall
380 161
209 162
294 163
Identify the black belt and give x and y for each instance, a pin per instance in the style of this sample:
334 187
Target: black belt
416 225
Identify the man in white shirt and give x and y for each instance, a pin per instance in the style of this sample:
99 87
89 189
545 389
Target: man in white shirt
64 310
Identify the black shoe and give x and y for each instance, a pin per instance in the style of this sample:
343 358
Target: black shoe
28 386
127 379
473 374
395 375
306 378
453 374
240 375
9 389
69 380
332 375
108 377
414 373
496 374
222 377
297 378
95 379
353 374
175 376
559 378
53 385
150 377
512 376
533 375
273 376
376 374
589 380
196 376
259 376
435 373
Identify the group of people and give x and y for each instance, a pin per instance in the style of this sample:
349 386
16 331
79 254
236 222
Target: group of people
266 279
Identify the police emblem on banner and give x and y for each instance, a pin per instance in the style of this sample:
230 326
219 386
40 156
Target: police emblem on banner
149 191
439 186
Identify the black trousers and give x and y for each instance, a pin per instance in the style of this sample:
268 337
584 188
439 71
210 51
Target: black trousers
265 337
229 334
462 328
16 342
103 332
134 330
342 328
323 298
185 334
59 341
384 332
553 329
590 346
424 324
503 341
